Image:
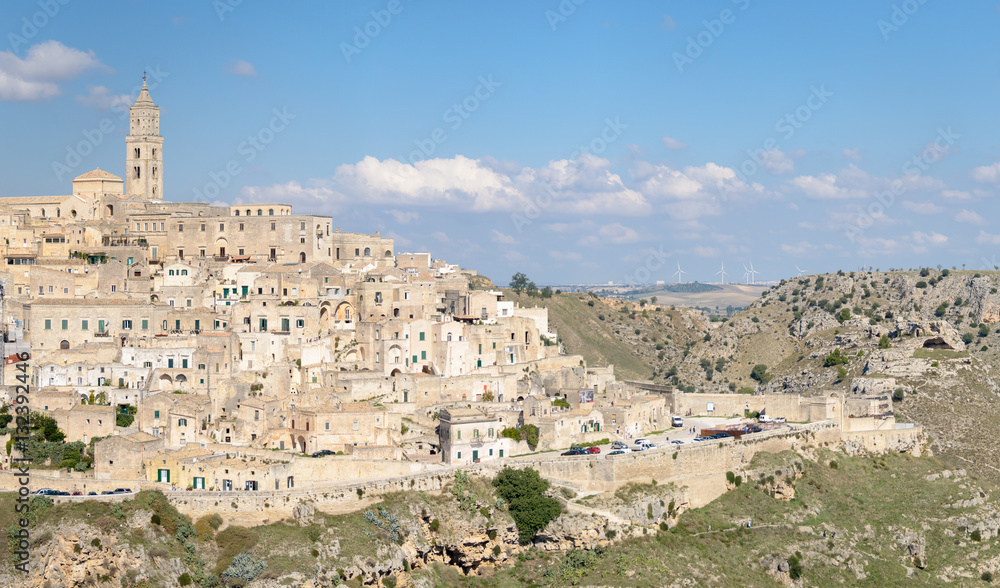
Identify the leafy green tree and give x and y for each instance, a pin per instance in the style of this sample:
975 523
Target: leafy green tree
844 315
547 292
519 282
531 288
883 342
759 373
524 492
841 373
835 358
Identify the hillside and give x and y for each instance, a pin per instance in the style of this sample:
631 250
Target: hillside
638 339
951 388
816 519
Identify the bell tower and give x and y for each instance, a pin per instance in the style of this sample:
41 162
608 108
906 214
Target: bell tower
144 149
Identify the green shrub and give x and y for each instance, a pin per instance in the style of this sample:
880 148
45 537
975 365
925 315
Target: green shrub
155 519
184 579
435 526
245 567
389 582
610 534
898 395
524 491
759 373
795 566
976 535
883 342
731 477
987 577
496 551
836 358
834 465
232 541
95 542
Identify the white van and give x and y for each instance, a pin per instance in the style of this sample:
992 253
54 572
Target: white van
764 419
677 422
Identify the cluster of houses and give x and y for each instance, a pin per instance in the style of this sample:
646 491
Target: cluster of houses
241 340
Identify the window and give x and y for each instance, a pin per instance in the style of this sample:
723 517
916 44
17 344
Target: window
241 226
156 414
84 324
327 426
126 324
182 422
421 335
136 172
270 212
137 153
356 426
180 228
170 363
300 323
423 355
145 324
154 172
50 289
203 226
48 324
65 324
222 226
184 363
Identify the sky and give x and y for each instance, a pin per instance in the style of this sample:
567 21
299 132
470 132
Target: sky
577 141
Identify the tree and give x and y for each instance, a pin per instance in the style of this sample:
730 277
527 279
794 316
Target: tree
547 292
519 282
883 342
652 299
841 374
524 491
844 315
759 373
488 396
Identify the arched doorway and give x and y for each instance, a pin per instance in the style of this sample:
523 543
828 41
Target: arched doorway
64 344
220 246
302 257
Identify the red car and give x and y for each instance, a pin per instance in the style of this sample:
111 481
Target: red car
78 493
593 450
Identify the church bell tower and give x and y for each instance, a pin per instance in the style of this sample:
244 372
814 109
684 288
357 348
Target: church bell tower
144 149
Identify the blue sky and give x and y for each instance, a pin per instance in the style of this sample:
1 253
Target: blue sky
576 141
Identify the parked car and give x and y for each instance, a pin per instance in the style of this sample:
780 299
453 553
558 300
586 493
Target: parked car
575 451
45 492
123 491
780 420
677 442
618 445
593 450
677 421
323 452
638 447
617 452
764 419
641 441
78 493
91 493
106 492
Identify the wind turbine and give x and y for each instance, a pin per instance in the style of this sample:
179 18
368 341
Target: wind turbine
746 274
753 273
679 273
801 271
723 272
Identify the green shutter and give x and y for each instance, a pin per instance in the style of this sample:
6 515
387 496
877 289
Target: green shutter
65 324
48 324
145 324
85 324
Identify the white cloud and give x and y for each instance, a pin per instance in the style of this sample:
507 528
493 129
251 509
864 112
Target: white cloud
800 248
985 238
239 67
673 144
922 207
777 162
930 239
404 217
852 154
987 174
499 237
824 186
439 236
693 192
956 194
706 251
669 23
565 255
35 76
101 98
583 186
615 233
969 216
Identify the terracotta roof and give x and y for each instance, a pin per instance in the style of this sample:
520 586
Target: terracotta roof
97 174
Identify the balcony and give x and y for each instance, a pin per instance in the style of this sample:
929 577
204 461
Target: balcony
102 334
221 258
